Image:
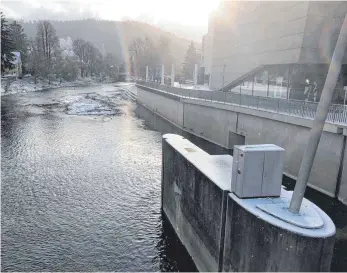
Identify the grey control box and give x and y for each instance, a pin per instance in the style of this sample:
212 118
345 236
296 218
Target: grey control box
257 170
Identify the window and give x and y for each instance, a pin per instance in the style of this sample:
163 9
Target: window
278 81
261 86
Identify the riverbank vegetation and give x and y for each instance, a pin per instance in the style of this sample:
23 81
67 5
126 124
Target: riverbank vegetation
46 57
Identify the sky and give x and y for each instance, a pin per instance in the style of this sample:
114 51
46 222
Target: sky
184 12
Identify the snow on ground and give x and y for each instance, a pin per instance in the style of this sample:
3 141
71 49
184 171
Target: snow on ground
190 86
79 105
122 84
27 84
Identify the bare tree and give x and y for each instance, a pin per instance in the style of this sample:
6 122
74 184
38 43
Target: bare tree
79 49
90 58
164 52
137 54
143 52
35 60
111 62
47 45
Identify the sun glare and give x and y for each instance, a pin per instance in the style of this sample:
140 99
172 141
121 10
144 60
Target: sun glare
184 12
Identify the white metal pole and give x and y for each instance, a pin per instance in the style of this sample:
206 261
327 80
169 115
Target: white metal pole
146 73
162 74
172 75
223 78
319 121
195 75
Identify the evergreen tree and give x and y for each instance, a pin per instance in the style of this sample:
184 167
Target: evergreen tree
190 60
7 45
20 41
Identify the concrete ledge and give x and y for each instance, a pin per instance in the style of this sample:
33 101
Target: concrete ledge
178 126
257 241
250 204
224 232
305 122
328 127
159 92
194 194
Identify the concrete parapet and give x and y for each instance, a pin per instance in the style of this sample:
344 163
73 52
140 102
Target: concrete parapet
224 232
194 194
257 241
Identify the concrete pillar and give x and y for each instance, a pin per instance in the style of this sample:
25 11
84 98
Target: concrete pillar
172 75
147 73
195 75
162 74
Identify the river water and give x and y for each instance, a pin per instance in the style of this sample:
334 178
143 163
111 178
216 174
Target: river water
80 185
80 189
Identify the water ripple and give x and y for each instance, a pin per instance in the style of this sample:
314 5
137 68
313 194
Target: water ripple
79 193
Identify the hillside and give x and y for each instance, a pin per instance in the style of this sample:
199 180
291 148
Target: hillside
113 36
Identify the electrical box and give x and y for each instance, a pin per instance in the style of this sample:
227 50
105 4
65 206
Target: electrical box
257 170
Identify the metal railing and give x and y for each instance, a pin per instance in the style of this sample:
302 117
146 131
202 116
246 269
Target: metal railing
337 112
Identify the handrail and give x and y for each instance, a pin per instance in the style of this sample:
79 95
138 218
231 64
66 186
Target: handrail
337 112
240 79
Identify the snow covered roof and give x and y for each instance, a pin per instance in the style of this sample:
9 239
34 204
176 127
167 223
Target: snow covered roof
17 57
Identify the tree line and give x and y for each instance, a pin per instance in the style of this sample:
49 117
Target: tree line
144 52
43 57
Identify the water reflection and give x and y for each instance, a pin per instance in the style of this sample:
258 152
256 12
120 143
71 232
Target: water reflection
171 250
81 193
335 209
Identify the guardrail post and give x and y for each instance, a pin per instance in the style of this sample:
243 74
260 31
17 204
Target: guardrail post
278 106
334 115
257 102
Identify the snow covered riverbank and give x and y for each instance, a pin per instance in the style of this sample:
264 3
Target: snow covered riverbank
29 85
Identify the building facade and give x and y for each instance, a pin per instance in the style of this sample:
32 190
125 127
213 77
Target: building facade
279 49
207 45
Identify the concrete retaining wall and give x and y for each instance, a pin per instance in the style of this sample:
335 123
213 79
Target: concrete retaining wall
342 187
206 121
168 106
214 121
293 139
254 244
223 232
194 204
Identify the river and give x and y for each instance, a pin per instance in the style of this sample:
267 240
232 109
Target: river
80 185
80 191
